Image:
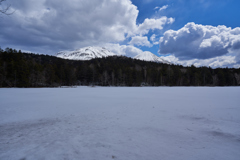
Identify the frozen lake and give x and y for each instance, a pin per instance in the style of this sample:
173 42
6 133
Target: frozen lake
103 123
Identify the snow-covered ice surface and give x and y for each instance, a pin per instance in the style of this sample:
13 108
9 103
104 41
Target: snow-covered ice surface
103 123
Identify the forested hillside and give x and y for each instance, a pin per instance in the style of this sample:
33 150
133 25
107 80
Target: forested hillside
19 69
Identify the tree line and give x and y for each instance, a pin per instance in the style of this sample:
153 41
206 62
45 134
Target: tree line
18 69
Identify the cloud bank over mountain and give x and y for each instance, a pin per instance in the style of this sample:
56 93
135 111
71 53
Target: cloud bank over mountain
59 25
127 27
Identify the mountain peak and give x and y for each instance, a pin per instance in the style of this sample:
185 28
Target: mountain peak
86 53
91 52
148 56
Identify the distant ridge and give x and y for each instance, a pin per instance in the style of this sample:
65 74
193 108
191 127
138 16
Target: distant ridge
91 52
86 53
148 56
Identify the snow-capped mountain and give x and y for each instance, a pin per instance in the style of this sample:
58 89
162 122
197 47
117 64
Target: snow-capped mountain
148 56
85 53
88 53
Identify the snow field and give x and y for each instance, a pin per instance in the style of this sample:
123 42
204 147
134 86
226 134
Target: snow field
167 123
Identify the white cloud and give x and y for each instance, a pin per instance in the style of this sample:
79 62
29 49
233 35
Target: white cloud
195 41
163 7
51 26
126 50
222 61
153 24
140 41
153 39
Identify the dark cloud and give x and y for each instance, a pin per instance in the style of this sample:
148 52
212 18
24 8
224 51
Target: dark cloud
236 45
67 24
50 26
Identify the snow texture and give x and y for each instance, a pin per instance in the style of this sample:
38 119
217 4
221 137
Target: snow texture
148 56
103 123
89 53
86 53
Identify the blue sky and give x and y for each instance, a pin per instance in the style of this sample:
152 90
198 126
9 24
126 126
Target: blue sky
186 32
205 12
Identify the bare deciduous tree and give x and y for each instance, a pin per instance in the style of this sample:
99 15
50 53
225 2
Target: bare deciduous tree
4 10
